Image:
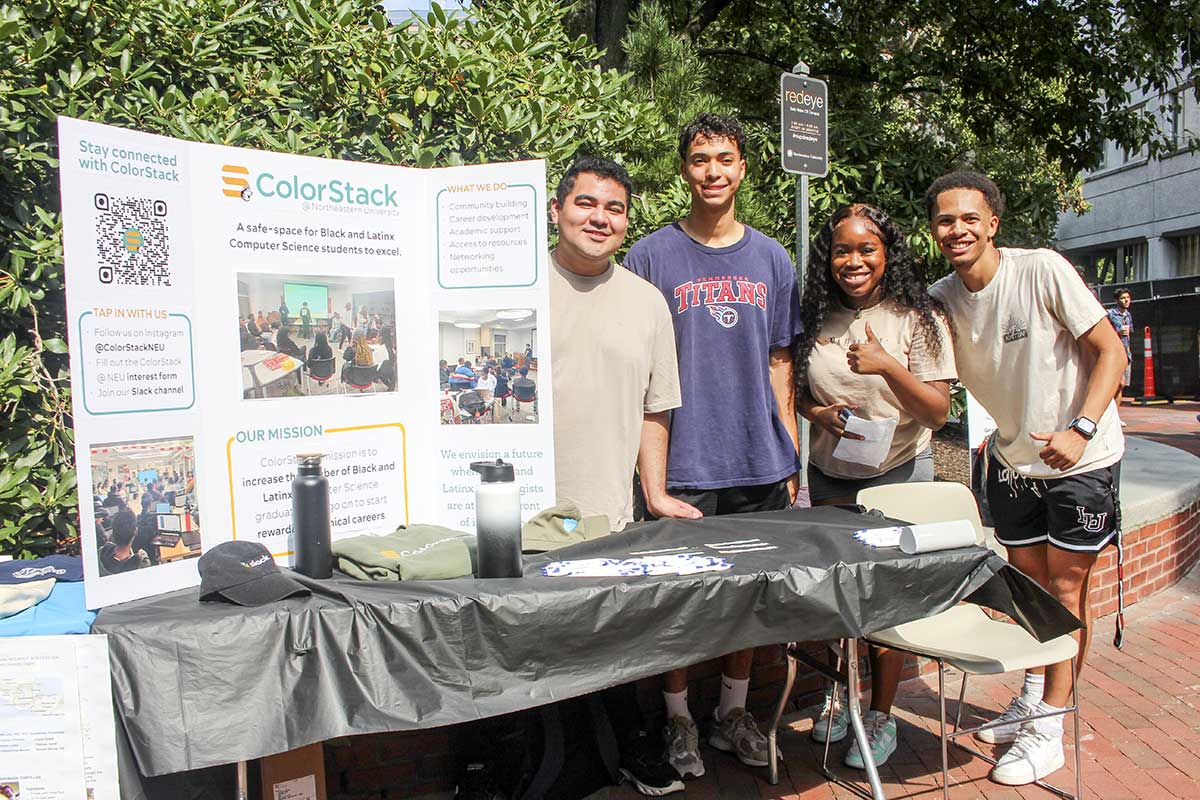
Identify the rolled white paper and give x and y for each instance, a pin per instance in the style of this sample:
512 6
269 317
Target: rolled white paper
937 536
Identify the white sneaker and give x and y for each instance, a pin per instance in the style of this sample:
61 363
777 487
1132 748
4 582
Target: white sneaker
881 740
1036 753
830 725
1003 734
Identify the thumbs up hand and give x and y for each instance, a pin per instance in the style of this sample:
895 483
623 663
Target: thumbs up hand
869 357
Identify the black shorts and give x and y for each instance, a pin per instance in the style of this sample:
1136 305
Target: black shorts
1081 513
736 499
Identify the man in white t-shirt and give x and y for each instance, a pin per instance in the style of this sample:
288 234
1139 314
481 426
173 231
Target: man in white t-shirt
1035 347
486 385
616 380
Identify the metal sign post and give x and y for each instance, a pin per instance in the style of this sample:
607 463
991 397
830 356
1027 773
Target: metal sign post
804 151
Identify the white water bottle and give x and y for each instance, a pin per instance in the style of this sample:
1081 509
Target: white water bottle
498 520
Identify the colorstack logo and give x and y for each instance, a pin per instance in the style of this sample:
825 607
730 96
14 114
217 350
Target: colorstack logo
237 181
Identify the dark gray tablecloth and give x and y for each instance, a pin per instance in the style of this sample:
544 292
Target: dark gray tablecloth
198 684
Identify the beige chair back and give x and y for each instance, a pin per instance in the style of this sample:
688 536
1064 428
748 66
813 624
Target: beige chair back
925 501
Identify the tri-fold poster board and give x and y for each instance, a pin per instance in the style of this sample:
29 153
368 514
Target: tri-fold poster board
232 308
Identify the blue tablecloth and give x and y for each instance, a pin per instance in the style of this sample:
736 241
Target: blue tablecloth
63 612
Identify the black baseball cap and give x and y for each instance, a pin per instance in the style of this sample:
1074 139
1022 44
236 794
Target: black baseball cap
244 573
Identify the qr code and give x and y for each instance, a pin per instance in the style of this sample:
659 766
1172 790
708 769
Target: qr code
133 247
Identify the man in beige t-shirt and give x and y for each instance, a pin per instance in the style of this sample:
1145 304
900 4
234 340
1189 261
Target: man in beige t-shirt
615 370
1035 347
615 381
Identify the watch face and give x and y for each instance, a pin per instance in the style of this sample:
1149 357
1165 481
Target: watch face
1084 426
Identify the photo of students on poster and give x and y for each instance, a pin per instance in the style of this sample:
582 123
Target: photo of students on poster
144 504
483 374
327 356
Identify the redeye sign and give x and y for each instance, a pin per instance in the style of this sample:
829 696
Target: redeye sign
804 124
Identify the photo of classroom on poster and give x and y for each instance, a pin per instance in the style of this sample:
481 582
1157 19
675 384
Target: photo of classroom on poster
144 501
306 335
487 367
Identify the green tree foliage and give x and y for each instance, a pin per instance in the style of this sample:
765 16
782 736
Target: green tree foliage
1026 91
320 77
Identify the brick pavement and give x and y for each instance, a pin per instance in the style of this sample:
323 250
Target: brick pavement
1172 424
1140 725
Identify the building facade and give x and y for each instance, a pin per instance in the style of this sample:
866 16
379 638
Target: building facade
1143 233
1145 217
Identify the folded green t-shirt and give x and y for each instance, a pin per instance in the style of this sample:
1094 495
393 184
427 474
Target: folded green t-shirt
415 553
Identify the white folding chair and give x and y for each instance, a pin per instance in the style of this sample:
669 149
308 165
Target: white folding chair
964 636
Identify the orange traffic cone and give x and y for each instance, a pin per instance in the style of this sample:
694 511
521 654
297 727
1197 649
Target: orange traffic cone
1148 367
1149 390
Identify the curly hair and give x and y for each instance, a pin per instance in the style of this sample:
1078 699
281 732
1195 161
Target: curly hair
712 126
901 284
965 179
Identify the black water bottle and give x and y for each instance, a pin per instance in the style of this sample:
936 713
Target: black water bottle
310 518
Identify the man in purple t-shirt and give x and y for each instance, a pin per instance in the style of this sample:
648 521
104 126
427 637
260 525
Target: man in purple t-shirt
732 447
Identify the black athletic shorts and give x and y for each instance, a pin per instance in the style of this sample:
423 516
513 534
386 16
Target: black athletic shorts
1080 512
736 499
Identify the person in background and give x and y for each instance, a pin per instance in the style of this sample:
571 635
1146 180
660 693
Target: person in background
260 321
359 351
335 329
387 370
247 340
118 555
486 385
463 376
147 529
875 345
113 499
735 304
284 344
283 312
506 363
305 321
443 373
502 391
321 349
1033 345
1122 322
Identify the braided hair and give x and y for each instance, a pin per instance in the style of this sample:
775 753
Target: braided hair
901 283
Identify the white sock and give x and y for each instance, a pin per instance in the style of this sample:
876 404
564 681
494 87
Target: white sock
677 704
1031 690
1049 725
733 695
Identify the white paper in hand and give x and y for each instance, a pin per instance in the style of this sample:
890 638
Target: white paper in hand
873 448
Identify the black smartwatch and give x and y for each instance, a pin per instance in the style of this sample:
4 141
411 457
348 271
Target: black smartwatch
1084 427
